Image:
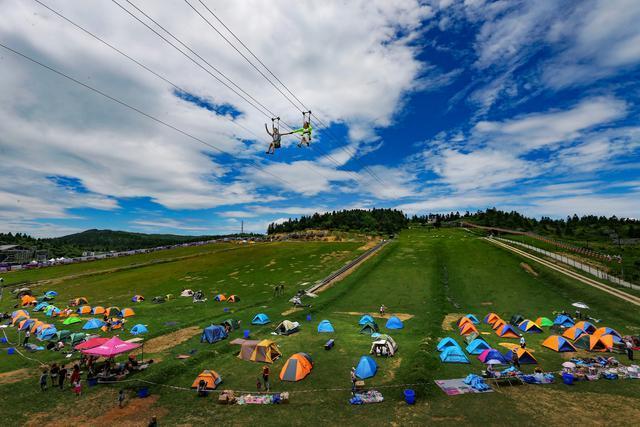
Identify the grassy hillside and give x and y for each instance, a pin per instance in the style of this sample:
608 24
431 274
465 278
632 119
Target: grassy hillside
431 276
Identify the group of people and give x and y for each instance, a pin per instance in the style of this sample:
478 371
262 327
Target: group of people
276 137
278 290
265 379
58 376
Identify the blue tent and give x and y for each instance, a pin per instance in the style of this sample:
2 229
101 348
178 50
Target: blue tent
139 329
41 306
453 354
447 342
213 333
93 324
394 323
563 320
51 310
260 319
365 319
325 326
27 324
477 346
51 294
47 334
473 318
366 368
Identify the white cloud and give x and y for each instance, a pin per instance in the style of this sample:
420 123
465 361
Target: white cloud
152 225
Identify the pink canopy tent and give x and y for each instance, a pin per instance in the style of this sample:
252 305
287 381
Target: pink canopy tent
93 342
111 348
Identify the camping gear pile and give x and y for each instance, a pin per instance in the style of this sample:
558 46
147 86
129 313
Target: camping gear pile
370 396
592 369
263 399
476 382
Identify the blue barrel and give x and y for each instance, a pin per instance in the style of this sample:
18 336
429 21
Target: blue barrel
11 351
410 396
308 318
92 382
226 309
567 378
3 340
143 392
246 333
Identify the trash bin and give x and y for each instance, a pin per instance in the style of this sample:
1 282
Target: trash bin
567 378
410 397
11 351
246 334
143 392
3 340
308 318
226 309
92 382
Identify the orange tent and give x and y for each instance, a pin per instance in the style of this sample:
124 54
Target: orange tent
606 331
28 300
586 326
601 343
98 309
85 309
18 319
573 333
507 331
35 325
19 313
112 311
491 318
464 320
22 322
558 343
211 379
297 367
498 324
126 312
233 298
468 328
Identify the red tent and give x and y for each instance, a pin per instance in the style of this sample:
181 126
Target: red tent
93 342
111 348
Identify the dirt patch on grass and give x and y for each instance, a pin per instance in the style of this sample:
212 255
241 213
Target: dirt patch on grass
401 316
449 320
370 244
557 407
15 376
486 303
526 267
165 342
135 412
393 366
272 262
290 311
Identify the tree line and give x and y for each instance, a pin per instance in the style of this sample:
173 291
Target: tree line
387 221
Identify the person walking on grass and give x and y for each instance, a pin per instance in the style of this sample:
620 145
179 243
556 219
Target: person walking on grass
121 398
53 373
43 379
629 346
514 359
354 379
77 387
75 374
62 376
523 342
265 378
27 334
383 309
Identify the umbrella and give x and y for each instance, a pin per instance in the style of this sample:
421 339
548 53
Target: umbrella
569 365
493 362
580 305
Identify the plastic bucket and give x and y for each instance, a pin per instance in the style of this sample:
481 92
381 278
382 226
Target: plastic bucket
11 351
308 318
143 392
92 382
567 378
410 397
3 340
246 333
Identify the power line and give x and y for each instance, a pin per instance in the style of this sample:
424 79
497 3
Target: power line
139 111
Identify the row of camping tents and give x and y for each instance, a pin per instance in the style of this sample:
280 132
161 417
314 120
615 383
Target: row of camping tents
452 352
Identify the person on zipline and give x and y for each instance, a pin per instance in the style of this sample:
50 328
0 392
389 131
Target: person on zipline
305 131
276 137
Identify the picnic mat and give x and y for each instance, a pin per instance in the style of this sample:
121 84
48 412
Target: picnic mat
457 386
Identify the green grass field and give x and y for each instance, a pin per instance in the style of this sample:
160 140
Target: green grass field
431 275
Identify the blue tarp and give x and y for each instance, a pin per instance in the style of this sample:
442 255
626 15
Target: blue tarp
453 354
366 368
260 319
365 319
325 326
394 323
93 324
476 382
447 342
213 333
477 346
139 329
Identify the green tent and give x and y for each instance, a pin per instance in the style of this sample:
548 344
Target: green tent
233 324
369 328
71 320
77 338
63 335
544 321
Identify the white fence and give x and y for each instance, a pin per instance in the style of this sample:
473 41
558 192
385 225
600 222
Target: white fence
572 262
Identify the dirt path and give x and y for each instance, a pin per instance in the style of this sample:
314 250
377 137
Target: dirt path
170 340
401 316
449 320
15 376
606 288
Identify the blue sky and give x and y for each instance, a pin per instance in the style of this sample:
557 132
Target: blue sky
431 106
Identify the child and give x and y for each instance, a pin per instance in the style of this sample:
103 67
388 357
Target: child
259 384
43 379
121 398
77 387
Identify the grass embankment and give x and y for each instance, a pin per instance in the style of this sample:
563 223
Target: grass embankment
430 275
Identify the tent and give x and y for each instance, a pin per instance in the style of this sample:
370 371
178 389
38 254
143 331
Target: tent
93 324
91 343
63 335
384 346
498 324
473 318
530 327
464 320
365 319
588 327
297 367
84 309
468 328
35 325
366 368
98 309
233 298
51 294
325 327
47 333
137 298
111 348
18 319
477 346
447 342
127 312
558 343
287 327
394 323
211 379
139 329
492 354
563 320
77 338
78 301
369 328
573 333
17 313
232 323
258 351
52 310
524 356
26 324
491 318
27 300
71 320
220 297
113 312
186 293
606 331
508 331
260 319
213 333
41 306
516 319
544 321
453 354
